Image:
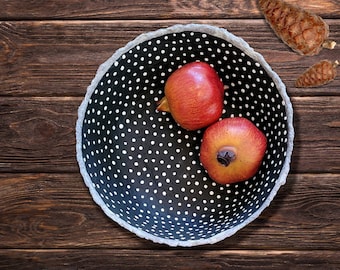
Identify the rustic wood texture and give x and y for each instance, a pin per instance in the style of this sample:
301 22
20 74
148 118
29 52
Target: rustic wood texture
49 53
42 132
56 211
144 9
59 58
164 259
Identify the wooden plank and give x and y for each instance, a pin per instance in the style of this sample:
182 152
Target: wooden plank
143 9
57 211
167 259
37 131
38 134
60 58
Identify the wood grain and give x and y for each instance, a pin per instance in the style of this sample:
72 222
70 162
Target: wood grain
40 134
143 9
57 211
167 259
58 58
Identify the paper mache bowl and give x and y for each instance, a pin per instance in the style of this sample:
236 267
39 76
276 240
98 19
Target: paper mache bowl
143 169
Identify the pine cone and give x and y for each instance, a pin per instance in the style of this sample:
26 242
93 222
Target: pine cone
320 73
303 31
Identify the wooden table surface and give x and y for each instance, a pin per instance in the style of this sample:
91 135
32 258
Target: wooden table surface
49 53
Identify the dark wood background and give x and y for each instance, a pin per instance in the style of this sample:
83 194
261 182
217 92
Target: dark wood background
49 53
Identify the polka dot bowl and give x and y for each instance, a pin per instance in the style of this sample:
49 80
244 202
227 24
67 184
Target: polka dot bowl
143 170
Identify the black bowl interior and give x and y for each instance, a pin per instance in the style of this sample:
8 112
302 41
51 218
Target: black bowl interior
146 168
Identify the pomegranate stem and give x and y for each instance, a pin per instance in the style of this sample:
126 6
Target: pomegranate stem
163 105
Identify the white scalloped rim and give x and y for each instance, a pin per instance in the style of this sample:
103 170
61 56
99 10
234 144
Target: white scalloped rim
236 41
